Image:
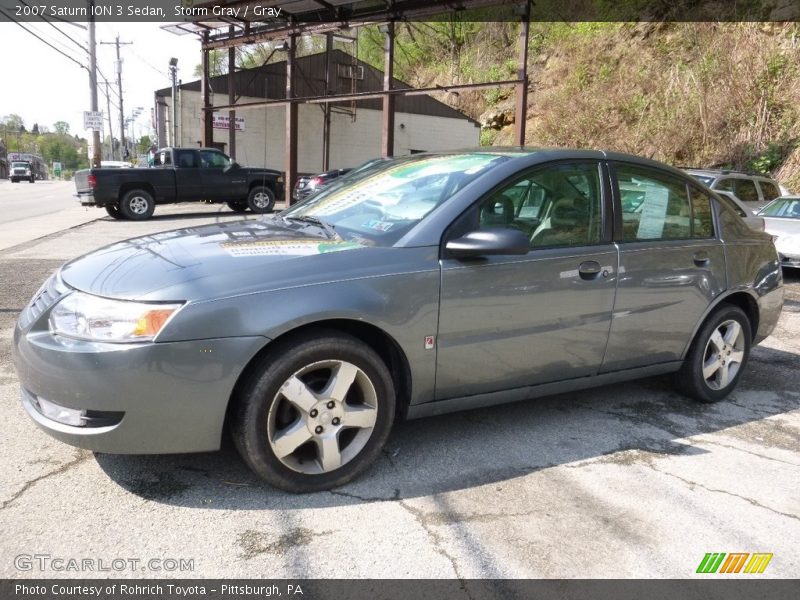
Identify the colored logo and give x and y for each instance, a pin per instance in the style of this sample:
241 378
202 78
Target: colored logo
734 562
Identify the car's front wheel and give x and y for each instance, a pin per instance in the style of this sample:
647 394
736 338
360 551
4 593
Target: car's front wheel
315 412
137 205
261 199
717 357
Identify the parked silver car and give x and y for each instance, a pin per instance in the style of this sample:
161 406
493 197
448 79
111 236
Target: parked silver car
438 282
782 220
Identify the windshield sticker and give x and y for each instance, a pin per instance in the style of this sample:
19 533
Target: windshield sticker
378 225
285 247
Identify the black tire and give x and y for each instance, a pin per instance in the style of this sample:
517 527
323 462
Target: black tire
261 199
259 403
137 205
238 207
716 384
114 211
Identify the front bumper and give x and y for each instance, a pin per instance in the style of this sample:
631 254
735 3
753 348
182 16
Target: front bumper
172 396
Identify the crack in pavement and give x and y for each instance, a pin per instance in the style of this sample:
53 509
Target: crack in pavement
711 443
370 500
751 501
438 543
80 456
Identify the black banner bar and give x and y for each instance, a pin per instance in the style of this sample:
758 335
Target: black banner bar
734 588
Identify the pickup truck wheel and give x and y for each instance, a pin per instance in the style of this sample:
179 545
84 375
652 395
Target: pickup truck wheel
238 207
261 199
137 205
113 211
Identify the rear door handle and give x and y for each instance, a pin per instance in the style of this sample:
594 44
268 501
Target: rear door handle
589 269
701 258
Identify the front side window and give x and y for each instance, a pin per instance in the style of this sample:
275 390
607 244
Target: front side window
655 205
382 205
558 205
209 159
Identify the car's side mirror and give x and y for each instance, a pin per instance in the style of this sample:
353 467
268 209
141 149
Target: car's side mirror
233 165
485 242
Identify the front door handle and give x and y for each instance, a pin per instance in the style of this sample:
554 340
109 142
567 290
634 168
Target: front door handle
589 269
701 258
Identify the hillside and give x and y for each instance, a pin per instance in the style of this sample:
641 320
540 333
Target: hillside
689 94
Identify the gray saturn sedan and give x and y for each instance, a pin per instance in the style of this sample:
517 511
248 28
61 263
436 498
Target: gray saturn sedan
436 282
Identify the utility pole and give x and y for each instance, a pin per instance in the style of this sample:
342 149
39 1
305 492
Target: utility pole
117 43
110 128
93 86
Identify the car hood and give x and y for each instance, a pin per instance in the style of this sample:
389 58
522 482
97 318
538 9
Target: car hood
215 261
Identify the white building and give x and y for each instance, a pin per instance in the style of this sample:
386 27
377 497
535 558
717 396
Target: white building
422 123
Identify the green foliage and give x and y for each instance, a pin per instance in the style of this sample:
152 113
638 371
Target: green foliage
61 127
766 160
488 136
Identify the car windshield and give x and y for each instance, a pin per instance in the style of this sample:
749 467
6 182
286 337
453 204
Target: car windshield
19 165
382 205
703 178
782 207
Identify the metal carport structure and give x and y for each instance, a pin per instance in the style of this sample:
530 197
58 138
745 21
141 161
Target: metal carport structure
326 17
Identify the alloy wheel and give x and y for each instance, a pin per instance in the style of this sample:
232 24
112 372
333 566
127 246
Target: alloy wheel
322 417
723 355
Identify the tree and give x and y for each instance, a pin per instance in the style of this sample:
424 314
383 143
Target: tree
35 130
61 127
13 123
144 144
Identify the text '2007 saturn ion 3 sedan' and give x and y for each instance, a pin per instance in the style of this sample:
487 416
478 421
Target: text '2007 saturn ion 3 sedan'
434 283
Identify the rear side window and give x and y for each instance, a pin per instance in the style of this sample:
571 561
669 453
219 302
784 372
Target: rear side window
724 185
162 158
655 205
731 204
702 222
746 190
769 190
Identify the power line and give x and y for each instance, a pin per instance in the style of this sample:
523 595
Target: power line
64 54
81 46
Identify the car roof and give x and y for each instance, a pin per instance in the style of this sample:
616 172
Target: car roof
726 173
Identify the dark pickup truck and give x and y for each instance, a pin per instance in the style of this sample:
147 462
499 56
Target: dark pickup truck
179 175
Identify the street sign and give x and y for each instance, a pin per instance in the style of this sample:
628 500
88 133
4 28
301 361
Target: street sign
57 169
93 120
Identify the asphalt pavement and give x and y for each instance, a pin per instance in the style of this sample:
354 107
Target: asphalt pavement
628 480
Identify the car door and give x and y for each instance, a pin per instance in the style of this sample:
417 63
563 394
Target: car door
671 266
221 179
188 183
513 321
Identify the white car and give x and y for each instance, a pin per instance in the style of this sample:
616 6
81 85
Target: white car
782 220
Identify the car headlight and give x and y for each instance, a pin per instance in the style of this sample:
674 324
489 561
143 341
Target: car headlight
88 317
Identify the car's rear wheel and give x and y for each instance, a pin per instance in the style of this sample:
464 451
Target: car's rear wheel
717 357
261 199
315 412
114 211
238 207
137 205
